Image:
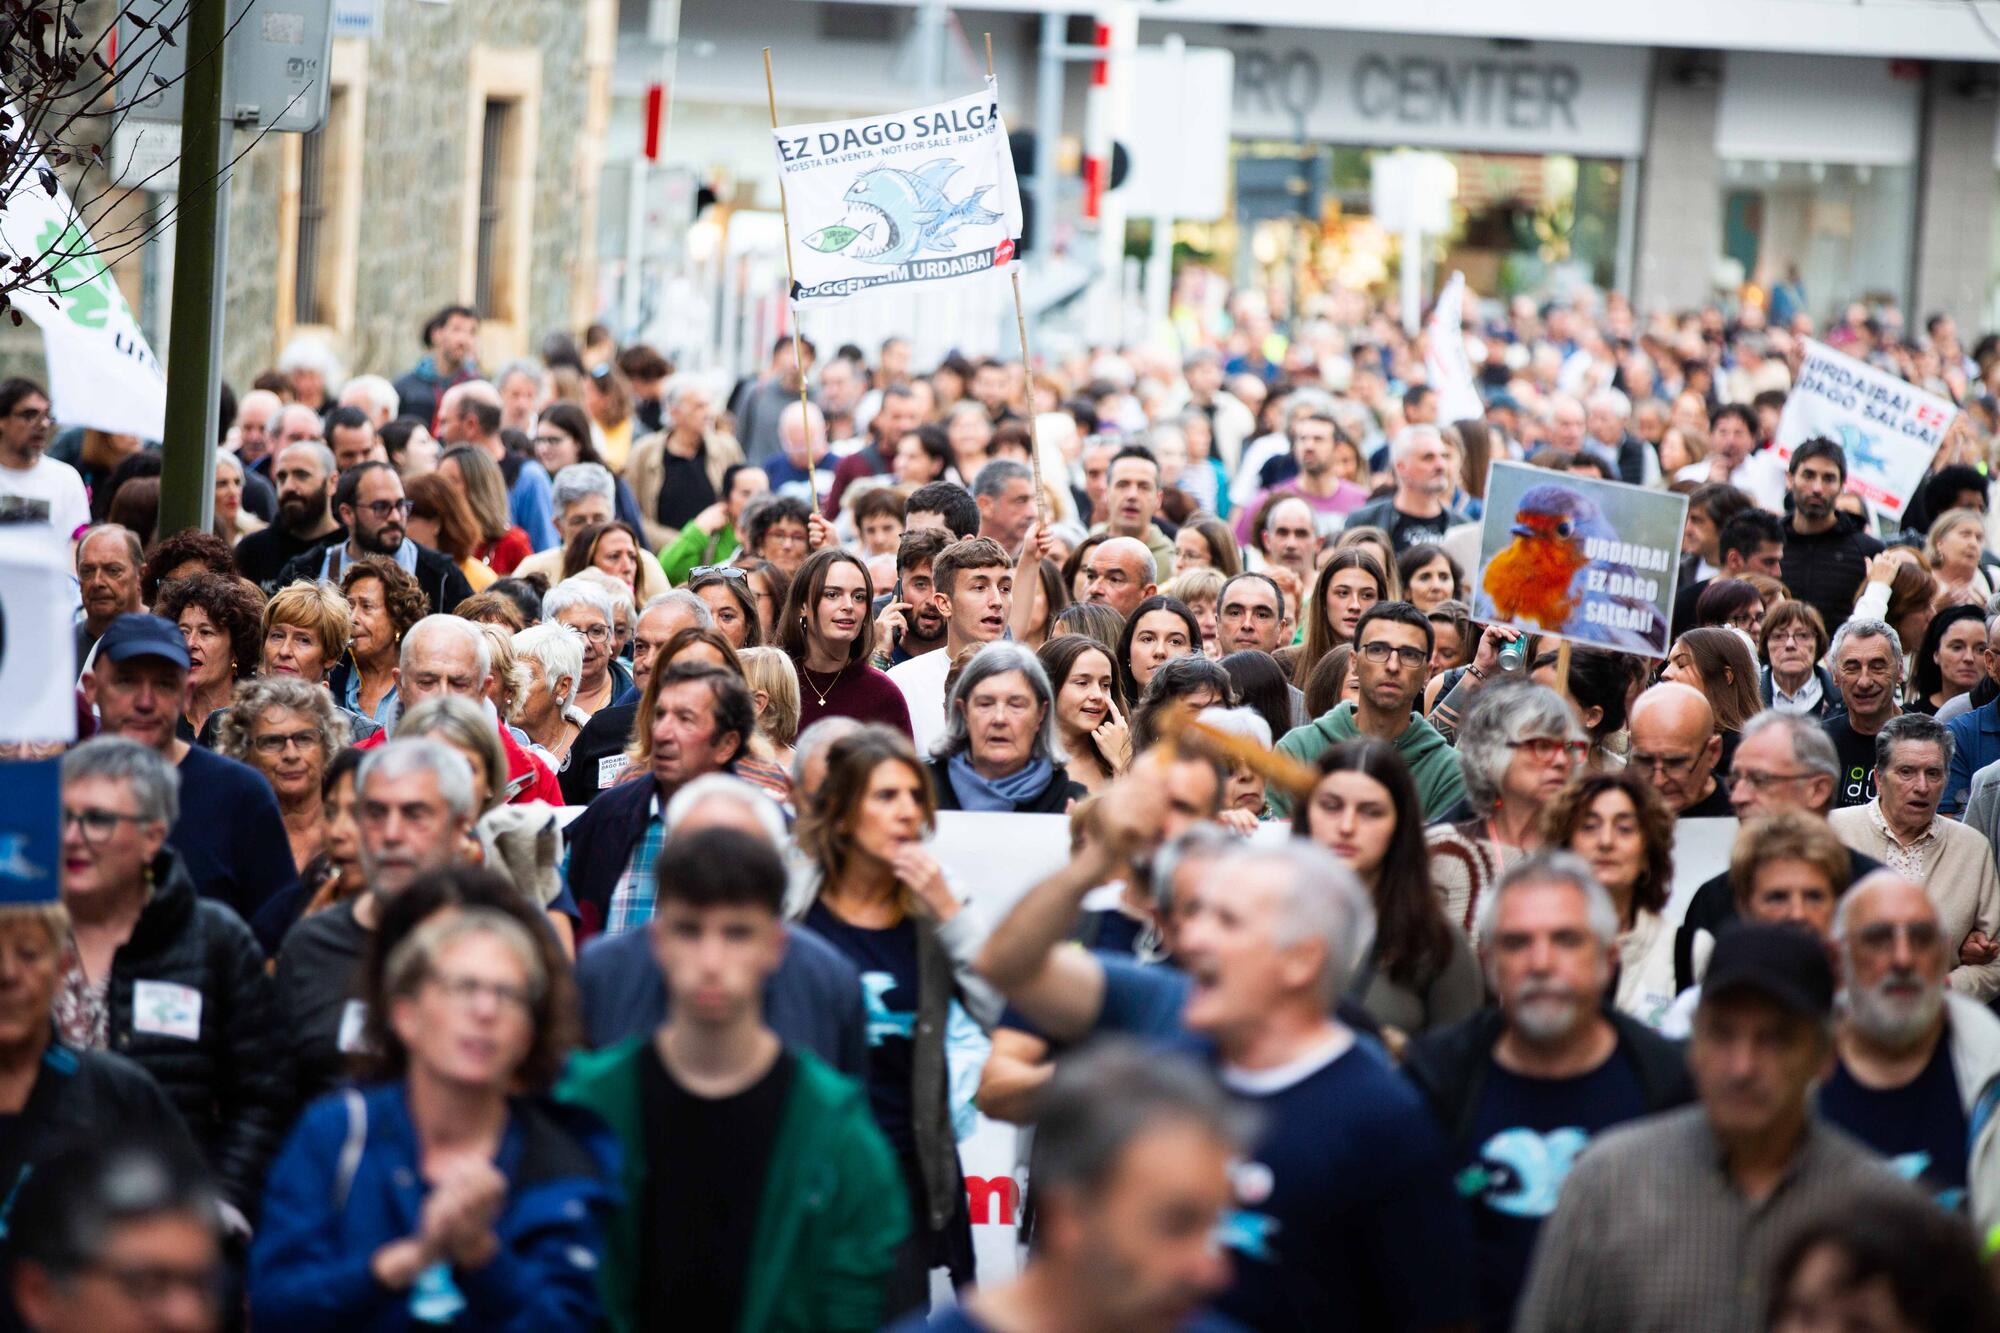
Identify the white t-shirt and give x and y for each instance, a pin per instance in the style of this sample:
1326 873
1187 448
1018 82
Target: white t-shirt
921 679
1760 476
50 491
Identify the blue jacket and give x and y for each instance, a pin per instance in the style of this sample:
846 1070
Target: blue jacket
309 1266
1975 743
531 504
813 1000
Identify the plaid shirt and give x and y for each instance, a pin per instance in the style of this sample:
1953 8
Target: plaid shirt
632 900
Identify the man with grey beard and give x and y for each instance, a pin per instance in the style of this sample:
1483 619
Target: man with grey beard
1917 1076
1520 1089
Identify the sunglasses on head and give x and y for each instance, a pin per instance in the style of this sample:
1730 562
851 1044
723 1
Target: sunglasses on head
718 572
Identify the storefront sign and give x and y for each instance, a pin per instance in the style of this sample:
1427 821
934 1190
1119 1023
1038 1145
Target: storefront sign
1349 88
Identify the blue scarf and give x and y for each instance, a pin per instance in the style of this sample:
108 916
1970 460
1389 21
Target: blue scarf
1007 794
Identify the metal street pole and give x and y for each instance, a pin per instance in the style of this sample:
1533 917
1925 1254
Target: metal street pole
194 343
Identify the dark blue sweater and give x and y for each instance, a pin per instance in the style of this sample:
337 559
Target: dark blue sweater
230 834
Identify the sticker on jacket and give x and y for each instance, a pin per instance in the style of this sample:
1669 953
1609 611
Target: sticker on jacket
353 1038
164 1009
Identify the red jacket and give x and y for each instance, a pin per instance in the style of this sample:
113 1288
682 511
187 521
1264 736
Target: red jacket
528 778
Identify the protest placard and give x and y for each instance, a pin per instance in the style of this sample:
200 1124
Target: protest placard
1889 428
102 372
1594 562
1446 366
913 196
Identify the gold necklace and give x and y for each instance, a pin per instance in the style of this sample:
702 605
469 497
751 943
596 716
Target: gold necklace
817 691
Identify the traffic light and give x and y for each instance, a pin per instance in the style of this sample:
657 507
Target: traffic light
1021 145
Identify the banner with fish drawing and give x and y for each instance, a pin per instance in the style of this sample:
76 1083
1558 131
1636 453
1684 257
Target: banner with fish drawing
1594 562
913 196
1889 428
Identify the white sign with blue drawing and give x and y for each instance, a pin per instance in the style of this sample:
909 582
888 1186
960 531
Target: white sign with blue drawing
914 196
1889 428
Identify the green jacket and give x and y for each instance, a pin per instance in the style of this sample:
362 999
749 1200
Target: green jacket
1433 763
695 548
833 1210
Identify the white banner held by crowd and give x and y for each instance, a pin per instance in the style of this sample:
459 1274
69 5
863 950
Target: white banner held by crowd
909 197
1446 365
102 372
1889 428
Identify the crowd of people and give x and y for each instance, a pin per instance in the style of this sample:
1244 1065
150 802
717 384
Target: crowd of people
500 889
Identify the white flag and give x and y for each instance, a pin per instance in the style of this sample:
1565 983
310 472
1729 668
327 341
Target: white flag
913 196
1888 428
102 372
1446 366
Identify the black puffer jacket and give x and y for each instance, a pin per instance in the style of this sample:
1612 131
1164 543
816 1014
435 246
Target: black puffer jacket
192 966
1825 569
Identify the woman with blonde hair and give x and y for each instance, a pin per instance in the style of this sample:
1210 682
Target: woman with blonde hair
1199 589
774 689
232 521
1953 546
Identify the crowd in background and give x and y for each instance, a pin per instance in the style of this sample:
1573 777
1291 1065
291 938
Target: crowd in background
498 886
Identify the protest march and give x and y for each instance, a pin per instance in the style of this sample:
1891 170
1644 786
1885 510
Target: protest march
1425 806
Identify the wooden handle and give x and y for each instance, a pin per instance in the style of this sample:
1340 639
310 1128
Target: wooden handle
1180 726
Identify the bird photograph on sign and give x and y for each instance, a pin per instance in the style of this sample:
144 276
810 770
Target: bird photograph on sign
1591 561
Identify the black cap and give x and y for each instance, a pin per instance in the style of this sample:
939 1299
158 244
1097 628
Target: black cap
1785 964
134 635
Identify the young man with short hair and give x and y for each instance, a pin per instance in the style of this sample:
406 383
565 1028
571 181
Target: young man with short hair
973 590
1392 653
1826 549
758 1193
1752 542
907 620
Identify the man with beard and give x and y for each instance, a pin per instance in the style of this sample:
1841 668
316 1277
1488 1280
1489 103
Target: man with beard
369 501
908 622
108 559
1520 1089
1826 551
1917 1064
35 488
304 475
1328 495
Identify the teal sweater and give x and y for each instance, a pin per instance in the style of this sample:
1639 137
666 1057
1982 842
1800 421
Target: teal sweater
1433 763
833 1211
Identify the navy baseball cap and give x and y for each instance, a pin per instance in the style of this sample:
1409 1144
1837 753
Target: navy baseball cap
1785 964
134 635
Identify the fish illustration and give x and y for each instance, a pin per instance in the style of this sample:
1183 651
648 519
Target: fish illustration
901 214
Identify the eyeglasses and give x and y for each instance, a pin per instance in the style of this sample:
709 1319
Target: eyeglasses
465 991
1545 748
277 745
1789 636
150 1284
552 441
1656 763
719 572
96 824
1880 937
34 416
1378 653
596 633
384 508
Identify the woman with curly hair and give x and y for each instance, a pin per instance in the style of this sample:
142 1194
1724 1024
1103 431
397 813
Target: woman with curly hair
385 602
222 618
187 552
1617 822
289 731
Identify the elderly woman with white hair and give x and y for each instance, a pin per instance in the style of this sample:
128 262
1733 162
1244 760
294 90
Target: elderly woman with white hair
1517 747
1244 792
586 607
546 710
1000 751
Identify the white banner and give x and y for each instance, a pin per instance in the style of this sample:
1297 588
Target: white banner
102 373
913 196
1889 428
37 636
1446 365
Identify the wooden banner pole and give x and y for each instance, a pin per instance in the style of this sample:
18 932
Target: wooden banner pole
1027 366
791 284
